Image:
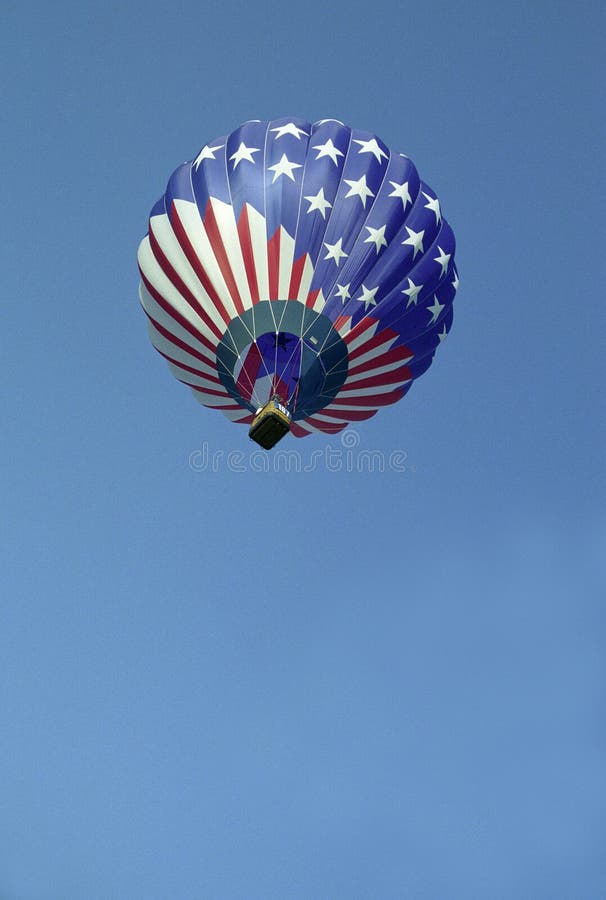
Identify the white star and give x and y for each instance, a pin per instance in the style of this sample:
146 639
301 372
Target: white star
412 292
415 239
343 292
318 201
290 128
206 153
371 147
376 236
368 296
444 334
434 206
359 189
328 149
401 191
284 167
443 259
243 152
335 251
455 283
435 309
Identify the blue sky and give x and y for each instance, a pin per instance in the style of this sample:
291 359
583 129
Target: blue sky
323 685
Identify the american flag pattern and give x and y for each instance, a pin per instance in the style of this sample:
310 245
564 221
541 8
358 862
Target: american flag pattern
307 262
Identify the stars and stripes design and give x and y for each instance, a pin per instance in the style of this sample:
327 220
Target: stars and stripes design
303 261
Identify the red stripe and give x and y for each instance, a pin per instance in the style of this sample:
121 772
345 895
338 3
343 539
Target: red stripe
273 264
311 298
295 278
210 378
352 415
396 354
371 344
214 235
398 376
192 256
210 392
362 326
341 321
280 388
180 285
247 253
373 400
232 406
298 431
229 408
326 427
249 372
179 343
174 314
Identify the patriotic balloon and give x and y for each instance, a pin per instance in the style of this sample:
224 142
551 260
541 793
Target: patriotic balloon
302 265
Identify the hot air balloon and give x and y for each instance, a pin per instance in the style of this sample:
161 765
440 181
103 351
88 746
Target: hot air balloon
297 277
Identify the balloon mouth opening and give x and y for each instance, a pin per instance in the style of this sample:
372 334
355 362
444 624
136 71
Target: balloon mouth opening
273 361
282 349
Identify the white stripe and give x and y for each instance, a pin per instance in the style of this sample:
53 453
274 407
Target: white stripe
287 250
248 383
377 391
344 408
224 214
319 302
311 429
329 420
306 279
344 328
170 246
308 429
236 411
363 337
258 240
153 309
164 346
154 274
370 373
373 352
211 401
198 238
196 380
262 387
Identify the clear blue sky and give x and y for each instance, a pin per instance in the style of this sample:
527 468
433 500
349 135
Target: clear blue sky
326 685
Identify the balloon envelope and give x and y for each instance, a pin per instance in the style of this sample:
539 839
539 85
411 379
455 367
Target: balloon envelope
302 262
